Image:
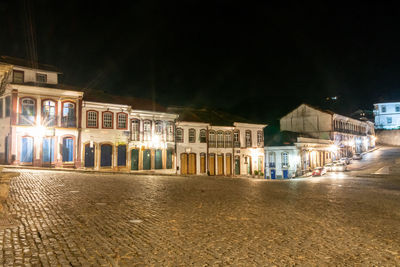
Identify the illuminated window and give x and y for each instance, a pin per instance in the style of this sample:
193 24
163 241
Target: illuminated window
27 116
68 115
192 135
383 108
285 159
389 120
41 78
179 135
159 129
107 120
92 119
397 108
121 120
48 113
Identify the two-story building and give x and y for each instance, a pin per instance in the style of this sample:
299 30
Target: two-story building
39 117
387 115
117 137
213 143
349 135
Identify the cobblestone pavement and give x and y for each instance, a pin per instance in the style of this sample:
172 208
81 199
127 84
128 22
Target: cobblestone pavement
79 219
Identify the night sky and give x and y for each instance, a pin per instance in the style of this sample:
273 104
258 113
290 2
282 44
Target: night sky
257 60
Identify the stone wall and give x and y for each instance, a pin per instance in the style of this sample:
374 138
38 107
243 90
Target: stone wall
388 137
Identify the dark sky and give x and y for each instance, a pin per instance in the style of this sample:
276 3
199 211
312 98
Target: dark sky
253 59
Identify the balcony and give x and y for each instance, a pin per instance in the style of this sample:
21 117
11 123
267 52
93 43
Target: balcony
212 144
272 165
26 119
236 144
68 122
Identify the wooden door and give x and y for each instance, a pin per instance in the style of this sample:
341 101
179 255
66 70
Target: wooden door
237 165
228 164
146 159
184 163
192 163
158 159
135 159
211 164
202 163
89 156
169 159
105 157
220 165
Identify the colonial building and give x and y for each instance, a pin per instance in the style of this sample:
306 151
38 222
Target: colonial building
210 142
117 137
387 115
39 118
349 135
290 154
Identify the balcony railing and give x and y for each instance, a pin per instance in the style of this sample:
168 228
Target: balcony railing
26 119
236 143
271 164
68 122
212 144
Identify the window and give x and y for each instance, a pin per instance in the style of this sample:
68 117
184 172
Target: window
211 138
1 108
159 129
122 119
228 139
27 116
248 138
397 108
220 139
383 108
192 136
135 130
179 135
8 106
285 159
49 113
170 131
236 138
108 119
41 78
68 115
147 130
389 120
18 76
68 150
271 157
92 119
260 138
203 136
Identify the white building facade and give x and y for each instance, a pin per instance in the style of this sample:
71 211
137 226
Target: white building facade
350 135
387 115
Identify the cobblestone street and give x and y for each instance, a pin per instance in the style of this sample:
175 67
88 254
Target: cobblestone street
79 219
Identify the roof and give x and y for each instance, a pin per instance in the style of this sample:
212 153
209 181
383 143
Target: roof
214 117
284 138
50 85
134 102
28 63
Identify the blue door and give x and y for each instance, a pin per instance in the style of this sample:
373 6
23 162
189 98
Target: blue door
121 155
106 156
68 150
48 150
27 150
285 174
273 175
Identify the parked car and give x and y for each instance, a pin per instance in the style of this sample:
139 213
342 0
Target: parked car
339 167
345 160
328 167
357 156
319 171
